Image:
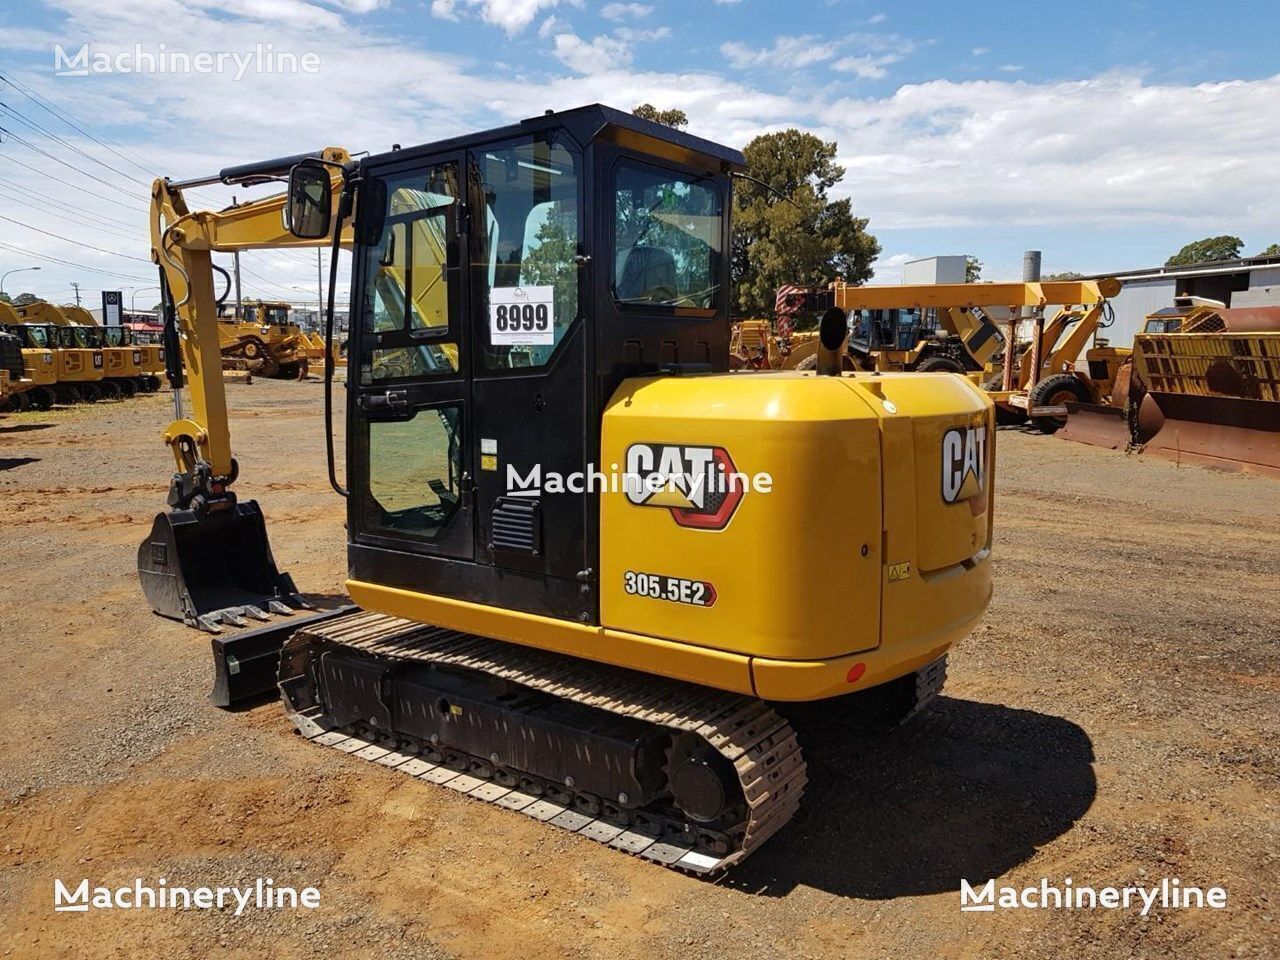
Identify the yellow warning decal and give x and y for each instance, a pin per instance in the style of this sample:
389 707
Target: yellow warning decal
899 571
488 461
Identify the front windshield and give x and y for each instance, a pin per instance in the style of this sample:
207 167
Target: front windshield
38 336
278 315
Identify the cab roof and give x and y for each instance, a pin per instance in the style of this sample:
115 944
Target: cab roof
590 123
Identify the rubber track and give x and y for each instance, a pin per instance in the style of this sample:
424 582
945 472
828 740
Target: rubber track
761 745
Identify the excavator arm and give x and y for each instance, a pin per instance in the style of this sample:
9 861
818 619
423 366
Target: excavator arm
207 561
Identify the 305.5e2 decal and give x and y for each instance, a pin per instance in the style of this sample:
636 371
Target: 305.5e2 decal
657 586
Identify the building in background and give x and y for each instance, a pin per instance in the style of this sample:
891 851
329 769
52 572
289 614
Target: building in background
934 270
1249 282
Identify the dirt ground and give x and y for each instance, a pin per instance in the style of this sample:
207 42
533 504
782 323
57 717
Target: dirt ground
1114 720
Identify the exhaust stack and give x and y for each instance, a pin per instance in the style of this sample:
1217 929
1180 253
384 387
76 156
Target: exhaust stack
833 339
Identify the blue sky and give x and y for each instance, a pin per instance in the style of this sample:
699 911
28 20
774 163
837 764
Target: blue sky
1106 135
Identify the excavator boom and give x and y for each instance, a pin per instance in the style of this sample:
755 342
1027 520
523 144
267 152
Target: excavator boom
207 561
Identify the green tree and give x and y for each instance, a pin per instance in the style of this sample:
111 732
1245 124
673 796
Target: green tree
22 299
1225 247
675 117
1064 275
5 298
972 269
812 239
1271 251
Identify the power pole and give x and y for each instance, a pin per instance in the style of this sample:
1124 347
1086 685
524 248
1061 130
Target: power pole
76 287
239 310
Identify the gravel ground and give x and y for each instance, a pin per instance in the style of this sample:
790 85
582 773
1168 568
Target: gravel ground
1114 720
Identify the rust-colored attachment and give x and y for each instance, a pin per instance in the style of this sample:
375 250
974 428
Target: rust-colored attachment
1097 424
1103 424
1212 398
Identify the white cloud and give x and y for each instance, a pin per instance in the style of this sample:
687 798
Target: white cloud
632 35
599 55
786 53
890 269
866 67
511 15
1011 68
878 18
980 51
867 53
624 11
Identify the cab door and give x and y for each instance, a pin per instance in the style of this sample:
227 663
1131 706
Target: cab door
409 431
535 423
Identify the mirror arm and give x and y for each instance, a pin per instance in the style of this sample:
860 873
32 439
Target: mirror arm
344 211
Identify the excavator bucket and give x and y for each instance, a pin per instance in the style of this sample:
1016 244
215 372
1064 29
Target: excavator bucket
214 570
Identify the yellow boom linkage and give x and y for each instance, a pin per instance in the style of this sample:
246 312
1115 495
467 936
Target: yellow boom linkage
207 560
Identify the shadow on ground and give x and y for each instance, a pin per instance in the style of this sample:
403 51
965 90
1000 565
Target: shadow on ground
967 790
24 427
10 463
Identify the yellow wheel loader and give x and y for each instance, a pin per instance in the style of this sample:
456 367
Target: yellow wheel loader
79 364
561 508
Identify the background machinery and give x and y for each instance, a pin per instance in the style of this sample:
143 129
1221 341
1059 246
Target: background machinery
12 373
263 341
599 657
79 364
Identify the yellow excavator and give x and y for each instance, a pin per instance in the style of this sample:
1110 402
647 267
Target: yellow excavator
124 362
16 389
561 504
28 373
79 363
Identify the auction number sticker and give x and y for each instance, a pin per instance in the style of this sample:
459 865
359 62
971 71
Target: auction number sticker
656 586
522 316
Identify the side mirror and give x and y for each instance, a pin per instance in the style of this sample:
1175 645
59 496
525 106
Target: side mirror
309 208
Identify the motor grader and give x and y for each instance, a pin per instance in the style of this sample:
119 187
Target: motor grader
263 341
559 518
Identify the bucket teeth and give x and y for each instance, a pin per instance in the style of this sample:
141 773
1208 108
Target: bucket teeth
208 623
257 613
277 607
232 617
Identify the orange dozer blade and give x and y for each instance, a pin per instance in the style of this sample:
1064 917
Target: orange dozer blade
1230 433
1096 424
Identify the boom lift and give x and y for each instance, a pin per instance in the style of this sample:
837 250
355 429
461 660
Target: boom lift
531 305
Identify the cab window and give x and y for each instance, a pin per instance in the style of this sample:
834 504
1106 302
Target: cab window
523 265
668 230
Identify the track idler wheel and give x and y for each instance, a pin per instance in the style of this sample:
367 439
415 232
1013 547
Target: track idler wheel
703 783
